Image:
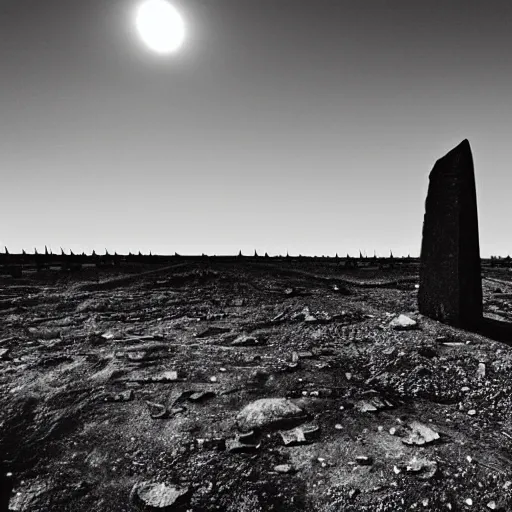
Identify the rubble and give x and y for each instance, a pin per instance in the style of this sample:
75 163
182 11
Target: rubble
293 421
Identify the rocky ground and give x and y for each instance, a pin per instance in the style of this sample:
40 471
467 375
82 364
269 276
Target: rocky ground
249 385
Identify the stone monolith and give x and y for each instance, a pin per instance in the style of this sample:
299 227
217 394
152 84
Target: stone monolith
450 279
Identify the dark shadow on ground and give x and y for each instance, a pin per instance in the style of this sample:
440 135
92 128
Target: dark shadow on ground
496 330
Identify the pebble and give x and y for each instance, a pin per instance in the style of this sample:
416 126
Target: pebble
213 379
469 502
472 412
283 468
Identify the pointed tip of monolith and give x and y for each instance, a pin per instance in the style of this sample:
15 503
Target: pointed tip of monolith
462 147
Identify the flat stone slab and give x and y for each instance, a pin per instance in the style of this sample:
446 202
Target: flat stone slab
159 496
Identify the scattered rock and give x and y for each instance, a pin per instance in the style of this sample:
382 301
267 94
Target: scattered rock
403 323
424 468
481 370
237 446
267 412
420 434
159 496
299 435
157 411
123 396
283 468
201 396
246 341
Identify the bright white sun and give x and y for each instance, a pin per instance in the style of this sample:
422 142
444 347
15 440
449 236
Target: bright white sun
160 26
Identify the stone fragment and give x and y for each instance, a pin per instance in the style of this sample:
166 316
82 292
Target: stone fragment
365 406
481 370
159 496
267 412
201 396
450 274
403 323
246 341
156 411
283 468
237 446
425 469
420 434
299 435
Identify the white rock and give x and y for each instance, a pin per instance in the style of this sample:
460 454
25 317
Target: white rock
402 323
158 496
266 412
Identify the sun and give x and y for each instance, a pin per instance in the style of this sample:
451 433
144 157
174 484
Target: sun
160 26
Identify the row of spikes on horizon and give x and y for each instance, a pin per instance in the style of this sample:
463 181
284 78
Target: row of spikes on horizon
361 255
50 253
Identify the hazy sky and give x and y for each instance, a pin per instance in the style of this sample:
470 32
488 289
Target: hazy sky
307 126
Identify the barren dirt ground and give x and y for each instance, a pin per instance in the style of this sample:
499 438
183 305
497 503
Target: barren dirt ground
141 393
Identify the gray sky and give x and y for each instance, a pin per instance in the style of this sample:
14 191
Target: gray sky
307 126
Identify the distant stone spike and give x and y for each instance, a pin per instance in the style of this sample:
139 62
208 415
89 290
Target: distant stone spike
360 255
140 254
71 252
266 255
93 253
176 254
255 253
391 254
23 252
106 252
62 252
46 251
450 289
240 253
6 251
35 251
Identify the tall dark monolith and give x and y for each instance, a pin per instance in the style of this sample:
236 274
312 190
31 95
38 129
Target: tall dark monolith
450 279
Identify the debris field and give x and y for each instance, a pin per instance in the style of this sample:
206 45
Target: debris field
250 385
